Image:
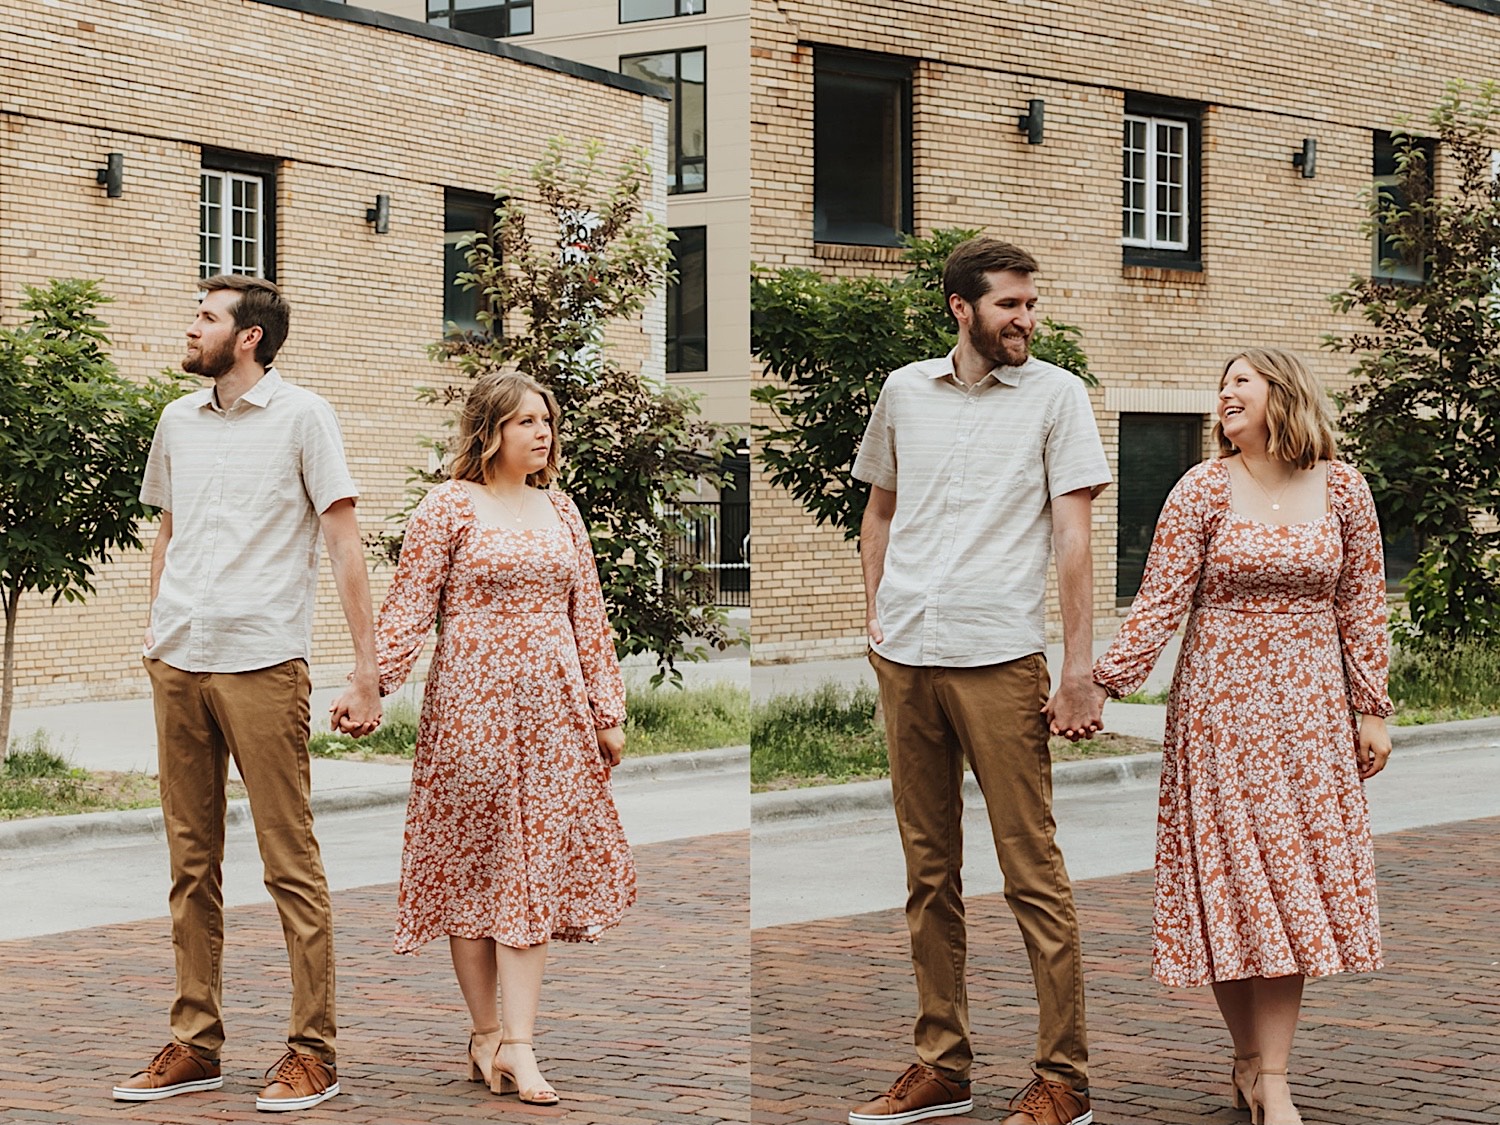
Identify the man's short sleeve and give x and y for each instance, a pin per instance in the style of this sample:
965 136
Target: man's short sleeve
876 462
156 485
325 474
1074 454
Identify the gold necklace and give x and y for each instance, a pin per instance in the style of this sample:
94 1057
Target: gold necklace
516 513
1275 500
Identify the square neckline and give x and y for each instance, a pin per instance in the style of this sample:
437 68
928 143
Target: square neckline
1236 516
558 525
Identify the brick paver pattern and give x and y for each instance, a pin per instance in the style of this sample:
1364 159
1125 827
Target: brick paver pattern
648 1027
1417 1043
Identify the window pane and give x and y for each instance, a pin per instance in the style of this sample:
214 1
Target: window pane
692 125
1155 450
860 158
210 225
464 214
632 10
520 19
1133 181
687 302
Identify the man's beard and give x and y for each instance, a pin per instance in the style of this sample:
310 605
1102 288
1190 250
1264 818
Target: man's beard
211 364
1000 350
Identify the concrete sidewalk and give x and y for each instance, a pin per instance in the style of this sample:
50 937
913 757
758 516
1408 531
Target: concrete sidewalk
1416 1043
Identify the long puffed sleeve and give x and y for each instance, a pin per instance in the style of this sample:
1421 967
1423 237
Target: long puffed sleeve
411 604
1359 599
591 630
1178 548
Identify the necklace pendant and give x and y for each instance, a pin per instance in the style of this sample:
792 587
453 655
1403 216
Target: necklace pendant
1275 507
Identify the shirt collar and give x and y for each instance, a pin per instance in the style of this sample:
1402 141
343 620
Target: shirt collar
941 368
259 395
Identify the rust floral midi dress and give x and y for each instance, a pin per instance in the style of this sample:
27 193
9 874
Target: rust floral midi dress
1264 862
511 829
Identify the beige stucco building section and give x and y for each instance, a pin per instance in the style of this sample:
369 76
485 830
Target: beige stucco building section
1274 244
347 111
590 31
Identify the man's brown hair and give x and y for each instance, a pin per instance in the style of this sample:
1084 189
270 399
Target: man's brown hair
261 305
965 270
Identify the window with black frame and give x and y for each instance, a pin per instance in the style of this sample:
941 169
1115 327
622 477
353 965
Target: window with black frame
1155 450
495 18
687 301
1160 177
236 216
862 173
682 72
465 213
1387 261
636 11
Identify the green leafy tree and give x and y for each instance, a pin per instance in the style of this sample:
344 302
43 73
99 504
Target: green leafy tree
829 344
632 446
74 436
1421 417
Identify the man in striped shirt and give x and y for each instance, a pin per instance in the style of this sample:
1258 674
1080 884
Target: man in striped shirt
981 463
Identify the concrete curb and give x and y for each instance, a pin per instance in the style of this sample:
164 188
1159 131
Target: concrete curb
782 807
102 829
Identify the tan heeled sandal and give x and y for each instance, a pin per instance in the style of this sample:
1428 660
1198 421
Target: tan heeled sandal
504 1082
1258 1108
487 1042
1240 1095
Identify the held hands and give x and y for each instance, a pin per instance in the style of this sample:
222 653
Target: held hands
356 711
872 627
611 745
1373 748
1076 709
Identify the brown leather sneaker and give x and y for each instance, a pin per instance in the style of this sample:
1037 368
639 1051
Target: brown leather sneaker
297 1082
1045 1102
918 1094
175 1070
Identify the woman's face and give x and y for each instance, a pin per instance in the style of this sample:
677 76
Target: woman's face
1243 397
526 437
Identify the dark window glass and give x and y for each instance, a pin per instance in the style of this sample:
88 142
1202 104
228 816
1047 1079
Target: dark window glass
861 149
687 125
734 532
1160 182
687 302
1387 263
1155 450
465 213
495 18
633 11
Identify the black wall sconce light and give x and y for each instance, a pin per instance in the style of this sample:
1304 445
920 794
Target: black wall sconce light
112 175
1031 121
1307 159
380 214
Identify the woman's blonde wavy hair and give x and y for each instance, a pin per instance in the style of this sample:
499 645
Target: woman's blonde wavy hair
1297 414
493 400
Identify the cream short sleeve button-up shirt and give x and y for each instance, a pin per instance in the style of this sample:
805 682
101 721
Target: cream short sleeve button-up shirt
245 487
974 471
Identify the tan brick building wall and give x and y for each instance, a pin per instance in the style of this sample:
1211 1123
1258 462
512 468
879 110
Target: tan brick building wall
1274 244
347 111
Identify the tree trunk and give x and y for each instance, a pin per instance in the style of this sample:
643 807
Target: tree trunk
7 687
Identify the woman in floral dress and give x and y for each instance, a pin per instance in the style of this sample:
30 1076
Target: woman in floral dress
1264 867
512 838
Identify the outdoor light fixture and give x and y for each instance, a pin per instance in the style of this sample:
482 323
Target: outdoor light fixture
380 214
1031 121
1307 159
112 175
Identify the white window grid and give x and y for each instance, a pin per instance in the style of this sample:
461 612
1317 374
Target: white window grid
231 224
1154 183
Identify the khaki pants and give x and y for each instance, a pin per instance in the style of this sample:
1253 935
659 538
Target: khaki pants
934 719
261 718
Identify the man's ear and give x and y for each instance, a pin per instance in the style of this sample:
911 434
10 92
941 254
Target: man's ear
250 337
962 311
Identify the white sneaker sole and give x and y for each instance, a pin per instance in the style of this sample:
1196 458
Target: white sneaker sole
126 1094
947 1109
1086 1119
282 1105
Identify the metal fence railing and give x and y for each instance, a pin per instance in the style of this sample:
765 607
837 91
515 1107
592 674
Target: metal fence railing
718 536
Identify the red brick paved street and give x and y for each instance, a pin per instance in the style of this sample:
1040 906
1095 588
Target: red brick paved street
649 1027
1418 1043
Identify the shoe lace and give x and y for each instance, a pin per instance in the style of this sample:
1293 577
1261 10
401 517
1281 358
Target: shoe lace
1035 1097
288 1068
915 1074
165 1058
